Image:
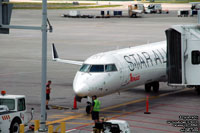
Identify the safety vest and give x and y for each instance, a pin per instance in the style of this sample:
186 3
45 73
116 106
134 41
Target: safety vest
97 104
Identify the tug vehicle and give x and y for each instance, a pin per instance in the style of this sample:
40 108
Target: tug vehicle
13 112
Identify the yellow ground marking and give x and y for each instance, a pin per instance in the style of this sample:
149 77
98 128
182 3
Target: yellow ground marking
57 116
123 104
64 119
69 112
84 118
169 93
113 111
116 106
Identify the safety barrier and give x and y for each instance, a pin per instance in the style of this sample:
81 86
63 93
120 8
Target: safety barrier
61 127
37 125
21 128
50 129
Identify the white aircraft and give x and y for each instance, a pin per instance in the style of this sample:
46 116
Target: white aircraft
110 72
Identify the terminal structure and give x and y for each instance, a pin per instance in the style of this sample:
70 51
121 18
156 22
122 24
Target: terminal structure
183 56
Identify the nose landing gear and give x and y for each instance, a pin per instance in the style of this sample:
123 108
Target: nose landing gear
88 107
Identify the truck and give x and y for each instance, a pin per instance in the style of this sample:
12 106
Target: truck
194 8
135 9
154 8
13 112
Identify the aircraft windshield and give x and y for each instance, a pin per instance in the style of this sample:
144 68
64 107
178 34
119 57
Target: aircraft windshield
85 68
97 68
110 68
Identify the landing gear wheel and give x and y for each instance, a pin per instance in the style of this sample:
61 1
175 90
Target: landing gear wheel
197 90
155 86
14 127
147 87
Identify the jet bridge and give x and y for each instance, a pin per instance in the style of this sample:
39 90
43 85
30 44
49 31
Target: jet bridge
183 56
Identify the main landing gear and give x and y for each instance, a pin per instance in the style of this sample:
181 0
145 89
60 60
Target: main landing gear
197 89
154 85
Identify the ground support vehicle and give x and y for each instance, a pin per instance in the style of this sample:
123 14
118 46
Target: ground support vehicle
12 112
112 126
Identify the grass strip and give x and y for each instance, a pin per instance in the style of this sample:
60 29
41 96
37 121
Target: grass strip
65 7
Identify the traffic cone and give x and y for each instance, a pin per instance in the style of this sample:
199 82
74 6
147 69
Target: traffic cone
75 103
147 106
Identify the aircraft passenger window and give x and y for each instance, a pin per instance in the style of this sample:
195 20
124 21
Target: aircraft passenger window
85 68
97 68
195 57
110 68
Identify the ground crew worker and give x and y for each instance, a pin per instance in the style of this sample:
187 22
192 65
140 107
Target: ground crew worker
48 91
95 109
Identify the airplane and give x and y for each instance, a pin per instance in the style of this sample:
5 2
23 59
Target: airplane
113 71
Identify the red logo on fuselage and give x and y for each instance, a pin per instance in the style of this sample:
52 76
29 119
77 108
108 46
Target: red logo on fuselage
134 78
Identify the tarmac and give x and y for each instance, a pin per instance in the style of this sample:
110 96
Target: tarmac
77 39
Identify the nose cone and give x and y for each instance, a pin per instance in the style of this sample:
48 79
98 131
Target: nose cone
81 89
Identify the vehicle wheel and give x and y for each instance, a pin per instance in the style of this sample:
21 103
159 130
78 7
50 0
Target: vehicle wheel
147 87
155 86
14 127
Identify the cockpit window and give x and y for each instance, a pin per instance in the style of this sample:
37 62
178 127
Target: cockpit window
97 68
110 68
85 68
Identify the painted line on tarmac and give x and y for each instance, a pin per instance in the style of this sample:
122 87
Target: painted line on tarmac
182 106
77 128
69 112
143 99
148 122
154 129
152 117
76 123
113 111
70 130
158 113
64 119
174 92
118 105
56 116
169 110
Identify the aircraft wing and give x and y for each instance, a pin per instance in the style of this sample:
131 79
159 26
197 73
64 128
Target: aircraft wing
56 58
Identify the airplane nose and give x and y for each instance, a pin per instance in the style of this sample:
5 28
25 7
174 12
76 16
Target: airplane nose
81 90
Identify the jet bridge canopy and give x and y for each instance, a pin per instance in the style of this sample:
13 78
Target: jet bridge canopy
183 55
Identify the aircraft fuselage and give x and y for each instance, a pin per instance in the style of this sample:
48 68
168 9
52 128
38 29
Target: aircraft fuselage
113 71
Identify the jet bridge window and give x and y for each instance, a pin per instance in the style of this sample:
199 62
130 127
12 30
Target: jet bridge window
97 68
195 57
110 68
85 68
